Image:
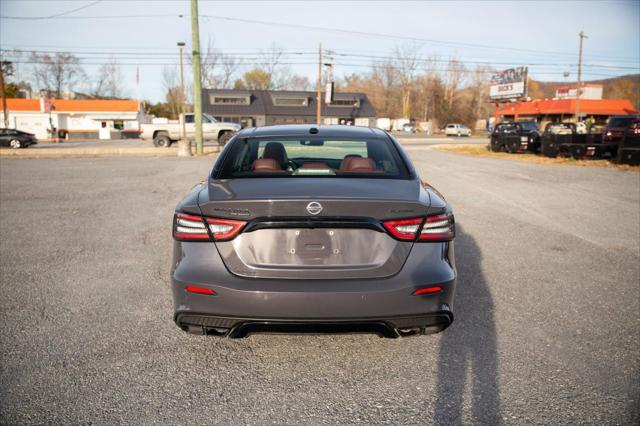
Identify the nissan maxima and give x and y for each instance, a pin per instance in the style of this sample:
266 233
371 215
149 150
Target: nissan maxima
320 229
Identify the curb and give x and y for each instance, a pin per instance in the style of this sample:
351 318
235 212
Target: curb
96 152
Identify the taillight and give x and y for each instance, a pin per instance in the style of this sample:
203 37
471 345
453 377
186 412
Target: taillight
438 228
435 228
404 229
224 229
188 227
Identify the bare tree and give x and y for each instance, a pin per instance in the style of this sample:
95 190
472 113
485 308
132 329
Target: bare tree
272 64
173 92
109 81
217 69
209 62
298 82
406 64
56 73
454 77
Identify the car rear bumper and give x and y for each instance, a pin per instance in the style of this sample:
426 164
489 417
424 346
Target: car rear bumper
384 306
392 327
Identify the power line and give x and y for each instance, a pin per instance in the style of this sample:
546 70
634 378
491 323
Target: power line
58 15
258 56
95 17
381 35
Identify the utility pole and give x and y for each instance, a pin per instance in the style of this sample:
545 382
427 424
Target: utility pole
319 87
184 145
182 93
197 82
4 97
578 90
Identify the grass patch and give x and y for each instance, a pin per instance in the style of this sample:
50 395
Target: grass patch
482 151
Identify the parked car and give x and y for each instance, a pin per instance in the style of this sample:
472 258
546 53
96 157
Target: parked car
616 127
457 130
409 128
16 138
629 151
313 229
513 137
164 134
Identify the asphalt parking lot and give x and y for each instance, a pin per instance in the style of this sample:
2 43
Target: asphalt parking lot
547 308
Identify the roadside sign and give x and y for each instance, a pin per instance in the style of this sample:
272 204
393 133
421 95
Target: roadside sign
509 84
328 93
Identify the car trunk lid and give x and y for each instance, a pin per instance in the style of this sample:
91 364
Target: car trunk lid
337 233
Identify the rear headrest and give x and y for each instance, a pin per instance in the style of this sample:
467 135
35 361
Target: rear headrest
361 165
346 161
266 165
276 151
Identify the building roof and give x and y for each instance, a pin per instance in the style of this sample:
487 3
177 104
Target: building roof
75 105
568 106
14 104
262 103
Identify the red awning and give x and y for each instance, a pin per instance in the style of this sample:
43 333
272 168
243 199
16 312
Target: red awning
568 106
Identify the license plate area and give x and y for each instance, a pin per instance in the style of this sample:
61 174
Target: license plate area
314 248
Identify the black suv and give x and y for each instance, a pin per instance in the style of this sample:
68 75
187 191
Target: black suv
515 137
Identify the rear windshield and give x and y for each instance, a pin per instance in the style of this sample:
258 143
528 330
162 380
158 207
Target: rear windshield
529 125
312 157
620 121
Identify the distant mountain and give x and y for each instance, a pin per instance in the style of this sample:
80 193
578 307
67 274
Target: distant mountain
623 87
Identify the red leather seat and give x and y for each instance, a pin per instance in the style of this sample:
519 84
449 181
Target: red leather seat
361 165
266 165
316 165
346 161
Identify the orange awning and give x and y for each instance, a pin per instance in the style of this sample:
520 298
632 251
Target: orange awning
75 105
568 106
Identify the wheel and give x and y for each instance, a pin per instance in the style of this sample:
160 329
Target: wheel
162 141
15 143
459 134
224 138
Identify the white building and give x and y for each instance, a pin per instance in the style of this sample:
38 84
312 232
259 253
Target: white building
75 119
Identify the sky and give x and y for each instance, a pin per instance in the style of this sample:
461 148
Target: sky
142 35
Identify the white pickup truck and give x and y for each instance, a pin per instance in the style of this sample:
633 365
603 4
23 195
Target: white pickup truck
164 134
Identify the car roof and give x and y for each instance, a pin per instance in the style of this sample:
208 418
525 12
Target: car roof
305 130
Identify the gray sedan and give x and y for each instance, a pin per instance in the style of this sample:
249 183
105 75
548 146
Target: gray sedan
313 229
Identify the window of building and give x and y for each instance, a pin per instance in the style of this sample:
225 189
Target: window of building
228 100
291 101
346 102
118 124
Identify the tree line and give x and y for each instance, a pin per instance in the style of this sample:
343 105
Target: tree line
403 83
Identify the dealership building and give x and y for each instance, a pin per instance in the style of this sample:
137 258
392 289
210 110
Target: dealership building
554 110
75 119
252 108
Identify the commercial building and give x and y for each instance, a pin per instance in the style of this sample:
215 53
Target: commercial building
75 119
252 108
554 110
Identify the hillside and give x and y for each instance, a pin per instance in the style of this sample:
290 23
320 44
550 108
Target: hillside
623 87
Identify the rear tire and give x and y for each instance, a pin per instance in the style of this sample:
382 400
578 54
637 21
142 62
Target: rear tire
15 143
162 141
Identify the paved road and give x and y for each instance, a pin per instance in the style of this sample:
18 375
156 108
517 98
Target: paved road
547 310
411 140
